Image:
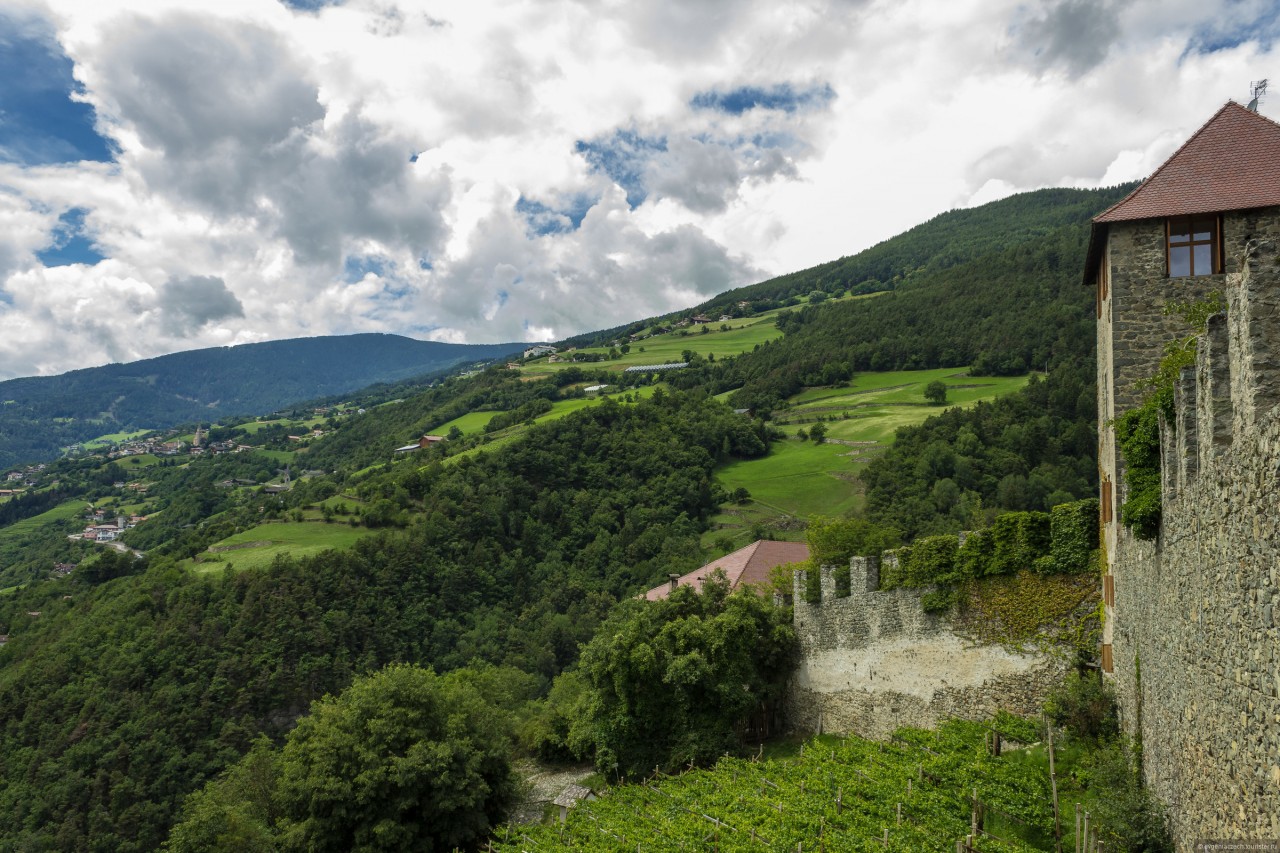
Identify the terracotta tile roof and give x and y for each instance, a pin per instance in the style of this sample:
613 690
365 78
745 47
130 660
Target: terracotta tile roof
745 566
1231 163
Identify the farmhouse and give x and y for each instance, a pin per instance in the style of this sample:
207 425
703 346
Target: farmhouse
422 443
750 565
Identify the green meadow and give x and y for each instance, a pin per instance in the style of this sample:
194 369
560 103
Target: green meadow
799 478
115 438
559 410
137 463
469 423
257 547
27 526
255 427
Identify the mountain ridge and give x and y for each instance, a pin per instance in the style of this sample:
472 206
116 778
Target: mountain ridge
41 414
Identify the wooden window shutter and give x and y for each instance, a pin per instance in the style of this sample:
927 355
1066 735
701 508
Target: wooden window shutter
1106 657
1109 590
1106 500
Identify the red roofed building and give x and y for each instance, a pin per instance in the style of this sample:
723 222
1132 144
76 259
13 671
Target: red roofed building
749 565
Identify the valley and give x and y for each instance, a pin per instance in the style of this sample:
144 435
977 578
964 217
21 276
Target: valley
493 524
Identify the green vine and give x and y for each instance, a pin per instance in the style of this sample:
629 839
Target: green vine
1138 431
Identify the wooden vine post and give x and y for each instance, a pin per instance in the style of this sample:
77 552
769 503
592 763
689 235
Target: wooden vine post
1053 780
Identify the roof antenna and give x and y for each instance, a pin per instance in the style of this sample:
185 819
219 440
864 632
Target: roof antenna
1259 88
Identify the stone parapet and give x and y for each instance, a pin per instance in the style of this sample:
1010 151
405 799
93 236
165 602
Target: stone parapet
874 660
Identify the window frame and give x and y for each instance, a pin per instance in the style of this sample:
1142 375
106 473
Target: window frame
1187 225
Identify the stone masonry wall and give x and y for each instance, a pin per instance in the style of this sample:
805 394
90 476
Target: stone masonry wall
1194 626
874 660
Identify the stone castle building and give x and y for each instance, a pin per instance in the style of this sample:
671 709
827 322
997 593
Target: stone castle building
1190 639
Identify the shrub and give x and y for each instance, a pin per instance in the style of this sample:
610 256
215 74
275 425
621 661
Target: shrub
973 558
1084 707
1019 539
931 561
938 600
1073 533
893 576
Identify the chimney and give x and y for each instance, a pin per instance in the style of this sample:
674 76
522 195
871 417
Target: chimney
675 581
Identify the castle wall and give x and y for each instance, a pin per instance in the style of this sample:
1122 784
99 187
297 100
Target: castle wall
874 661
1193 629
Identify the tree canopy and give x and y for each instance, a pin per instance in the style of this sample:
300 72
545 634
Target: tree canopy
402 760
674 680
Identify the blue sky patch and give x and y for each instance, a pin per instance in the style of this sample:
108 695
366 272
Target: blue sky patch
70 245
355 267
39 123
1210 38
310 5
783 97
543 220
623 157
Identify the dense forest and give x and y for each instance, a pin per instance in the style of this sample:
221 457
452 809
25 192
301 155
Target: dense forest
41 414
128 695
132 683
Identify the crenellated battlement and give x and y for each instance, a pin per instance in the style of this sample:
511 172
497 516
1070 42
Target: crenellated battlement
1235 385
874 660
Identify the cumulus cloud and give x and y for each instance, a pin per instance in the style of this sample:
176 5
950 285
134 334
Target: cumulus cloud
189 303
532 170
1074 35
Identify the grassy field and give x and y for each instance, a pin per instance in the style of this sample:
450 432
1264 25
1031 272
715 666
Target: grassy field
115 438
255 427
27 526
137 463
471 422
256 548
558 410
798 479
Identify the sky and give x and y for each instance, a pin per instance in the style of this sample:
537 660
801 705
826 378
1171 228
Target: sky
177 175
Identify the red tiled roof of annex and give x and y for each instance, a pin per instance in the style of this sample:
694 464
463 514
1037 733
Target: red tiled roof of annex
749 565
1230 163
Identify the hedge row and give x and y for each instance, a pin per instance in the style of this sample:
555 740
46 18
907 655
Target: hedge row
1060 541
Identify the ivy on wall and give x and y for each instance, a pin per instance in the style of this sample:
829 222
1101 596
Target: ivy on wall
1028 608
1138 430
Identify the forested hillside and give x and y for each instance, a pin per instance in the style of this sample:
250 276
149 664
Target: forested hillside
120 698
39 415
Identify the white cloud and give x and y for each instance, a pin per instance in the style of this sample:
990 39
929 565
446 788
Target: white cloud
264 186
